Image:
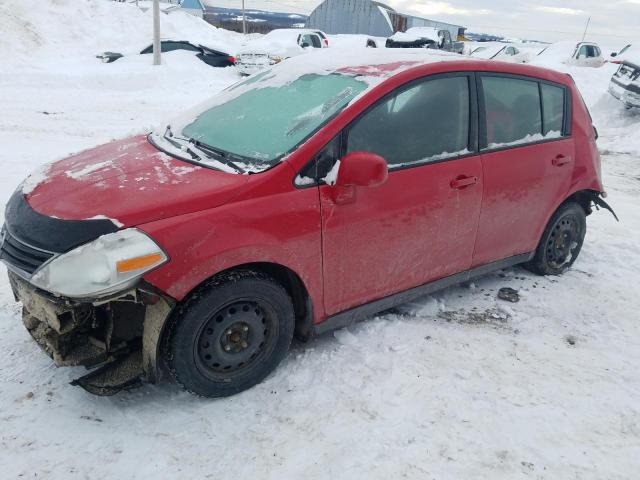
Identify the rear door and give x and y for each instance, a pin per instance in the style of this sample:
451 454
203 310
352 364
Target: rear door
421 224
527 159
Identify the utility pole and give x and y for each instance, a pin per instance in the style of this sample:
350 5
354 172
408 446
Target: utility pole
585 29
244 20
156 32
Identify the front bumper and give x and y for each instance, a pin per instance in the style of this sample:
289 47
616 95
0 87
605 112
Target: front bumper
250 69
630 98
118 338
248 63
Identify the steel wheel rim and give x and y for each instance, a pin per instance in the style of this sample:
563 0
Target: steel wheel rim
236 337
563 241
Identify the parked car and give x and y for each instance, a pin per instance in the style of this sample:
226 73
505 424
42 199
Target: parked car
297 201
625 84
581 54
347 40
424 37
212 57
275 46
502 52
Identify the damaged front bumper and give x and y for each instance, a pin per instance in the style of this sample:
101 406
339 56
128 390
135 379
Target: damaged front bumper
117 338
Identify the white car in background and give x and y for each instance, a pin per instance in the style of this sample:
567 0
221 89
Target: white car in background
275 46
580 54
348 40
502 52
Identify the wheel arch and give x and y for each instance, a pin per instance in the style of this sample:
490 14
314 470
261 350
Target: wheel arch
584 198
285 276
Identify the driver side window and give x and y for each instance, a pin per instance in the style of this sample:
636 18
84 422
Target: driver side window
429 121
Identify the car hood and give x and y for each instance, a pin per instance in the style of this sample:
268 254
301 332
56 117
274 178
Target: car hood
129 182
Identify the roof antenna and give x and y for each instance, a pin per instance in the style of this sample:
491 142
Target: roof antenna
585 28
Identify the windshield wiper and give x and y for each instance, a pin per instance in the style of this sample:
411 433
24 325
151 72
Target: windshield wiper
168 136
185 147
220 154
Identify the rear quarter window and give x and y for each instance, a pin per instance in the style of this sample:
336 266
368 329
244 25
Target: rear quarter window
553 108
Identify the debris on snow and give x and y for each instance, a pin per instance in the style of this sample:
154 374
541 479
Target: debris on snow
508 294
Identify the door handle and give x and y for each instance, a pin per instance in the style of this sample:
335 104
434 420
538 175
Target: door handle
560 160
462 181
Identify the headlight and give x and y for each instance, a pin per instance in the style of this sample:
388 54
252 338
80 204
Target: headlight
273 59
109 264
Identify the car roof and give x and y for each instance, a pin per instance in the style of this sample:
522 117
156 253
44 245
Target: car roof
382 64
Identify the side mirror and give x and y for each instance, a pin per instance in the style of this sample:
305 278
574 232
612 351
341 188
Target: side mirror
362 169
614 54
305 45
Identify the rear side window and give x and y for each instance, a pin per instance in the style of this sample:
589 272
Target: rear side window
513 114
426 122
553 109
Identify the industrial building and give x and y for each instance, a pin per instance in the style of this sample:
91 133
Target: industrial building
370 18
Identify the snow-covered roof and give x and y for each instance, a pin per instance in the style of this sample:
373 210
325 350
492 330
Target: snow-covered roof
282 41
372 62
416 33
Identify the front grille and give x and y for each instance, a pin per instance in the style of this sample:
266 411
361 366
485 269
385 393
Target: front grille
17 254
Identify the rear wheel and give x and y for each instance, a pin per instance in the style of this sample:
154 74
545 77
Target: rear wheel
230 335
561 241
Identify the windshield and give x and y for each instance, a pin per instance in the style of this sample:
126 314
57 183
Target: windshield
258 121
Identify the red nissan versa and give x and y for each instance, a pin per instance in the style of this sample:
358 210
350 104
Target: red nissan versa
299 200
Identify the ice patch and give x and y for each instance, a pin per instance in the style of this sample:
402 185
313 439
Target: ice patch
88 169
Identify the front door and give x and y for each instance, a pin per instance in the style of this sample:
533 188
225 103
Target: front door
421 224
527 159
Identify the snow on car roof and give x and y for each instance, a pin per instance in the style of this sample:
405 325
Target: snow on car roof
416 33
281 40
376 63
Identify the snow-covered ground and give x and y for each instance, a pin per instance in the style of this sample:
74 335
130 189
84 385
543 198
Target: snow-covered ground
458 385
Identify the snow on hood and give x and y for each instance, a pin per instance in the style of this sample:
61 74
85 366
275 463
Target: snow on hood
559 52
488 50
129 182
416 33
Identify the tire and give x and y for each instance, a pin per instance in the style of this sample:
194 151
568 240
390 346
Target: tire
230 334
561 241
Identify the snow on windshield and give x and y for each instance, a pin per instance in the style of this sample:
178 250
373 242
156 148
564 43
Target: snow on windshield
263 124
239 125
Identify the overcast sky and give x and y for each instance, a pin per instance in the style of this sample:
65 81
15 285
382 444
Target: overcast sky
613 22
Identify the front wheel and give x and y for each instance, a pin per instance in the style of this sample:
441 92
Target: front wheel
230 335
561 241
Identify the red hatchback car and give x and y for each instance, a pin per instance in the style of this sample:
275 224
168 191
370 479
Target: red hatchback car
297 201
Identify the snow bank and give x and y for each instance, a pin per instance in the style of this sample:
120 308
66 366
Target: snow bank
32 29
